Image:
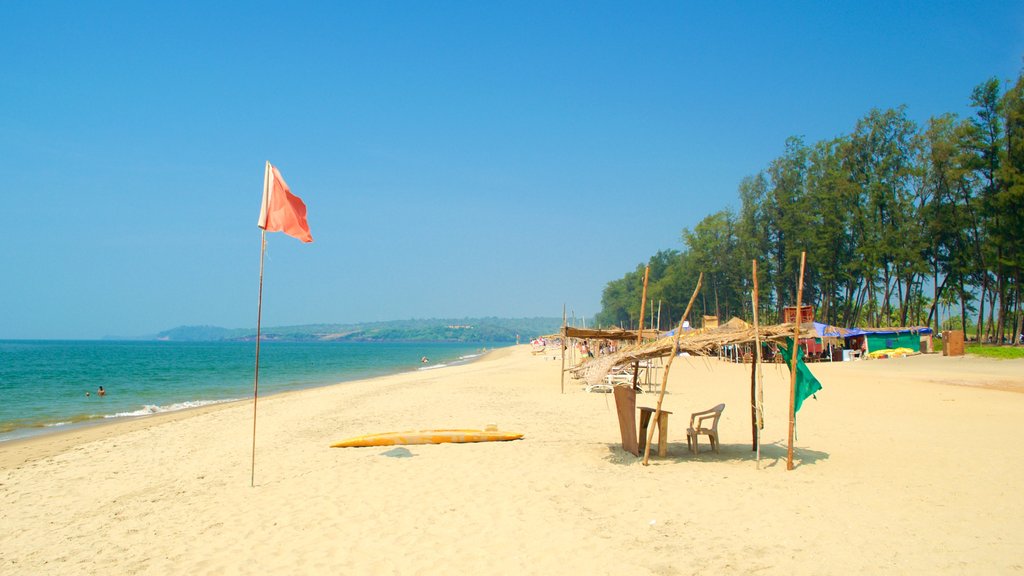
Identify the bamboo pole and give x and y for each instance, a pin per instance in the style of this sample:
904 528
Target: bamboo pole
643 301
668 366
565 342
758 382
753 367
792 362
753 398
640 332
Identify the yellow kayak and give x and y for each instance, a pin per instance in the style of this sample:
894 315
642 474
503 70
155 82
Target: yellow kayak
427 437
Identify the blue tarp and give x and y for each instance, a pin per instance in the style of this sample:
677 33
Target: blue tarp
826 331
898 331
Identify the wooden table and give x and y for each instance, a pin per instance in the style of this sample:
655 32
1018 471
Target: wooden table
645 420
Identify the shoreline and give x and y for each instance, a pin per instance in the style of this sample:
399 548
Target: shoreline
882 465
174 406
17 451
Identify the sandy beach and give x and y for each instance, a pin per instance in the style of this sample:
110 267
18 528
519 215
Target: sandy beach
904 466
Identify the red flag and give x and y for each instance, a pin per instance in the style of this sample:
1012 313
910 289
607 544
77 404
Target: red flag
281 210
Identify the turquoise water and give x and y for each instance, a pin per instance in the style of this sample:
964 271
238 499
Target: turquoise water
43 384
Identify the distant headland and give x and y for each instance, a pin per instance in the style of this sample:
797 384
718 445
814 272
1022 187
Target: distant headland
432 330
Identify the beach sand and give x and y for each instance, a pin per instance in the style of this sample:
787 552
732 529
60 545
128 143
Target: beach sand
904 466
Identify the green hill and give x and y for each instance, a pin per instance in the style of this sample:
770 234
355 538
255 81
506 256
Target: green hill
432 330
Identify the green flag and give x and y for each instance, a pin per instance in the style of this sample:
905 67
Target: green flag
806 383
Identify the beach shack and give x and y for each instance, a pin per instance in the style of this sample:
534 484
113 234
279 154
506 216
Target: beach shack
789 314
828 343
868 340
704 342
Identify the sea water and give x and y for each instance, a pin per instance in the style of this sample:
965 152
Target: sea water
47 386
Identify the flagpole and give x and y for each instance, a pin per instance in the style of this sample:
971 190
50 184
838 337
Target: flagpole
256 381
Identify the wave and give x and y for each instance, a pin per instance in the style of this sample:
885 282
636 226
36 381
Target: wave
18 430
150 409
432 367
464 359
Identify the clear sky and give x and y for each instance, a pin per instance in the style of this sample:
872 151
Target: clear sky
457 158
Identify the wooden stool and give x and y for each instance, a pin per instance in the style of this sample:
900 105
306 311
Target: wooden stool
645 420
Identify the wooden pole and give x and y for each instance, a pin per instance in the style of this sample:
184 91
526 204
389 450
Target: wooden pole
757 394
643 301
640 332
256 380
753 399
565 342
668 366
792 362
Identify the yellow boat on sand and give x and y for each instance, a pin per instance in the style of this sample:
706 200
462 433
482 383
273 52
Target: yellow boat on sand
427 437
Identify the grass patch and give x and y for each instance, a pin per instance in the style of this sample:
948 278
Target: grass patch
1000 352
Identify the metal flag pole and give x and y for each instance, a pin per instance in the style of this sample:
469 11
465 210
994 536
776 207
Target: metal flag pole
259 313
256 380
280 211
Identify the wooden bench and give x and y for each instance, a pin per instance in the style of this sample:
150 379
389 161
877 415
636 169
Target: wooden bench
646 414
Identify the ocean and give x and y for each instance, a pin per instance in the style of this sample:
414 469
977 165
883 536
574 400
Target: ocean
48 386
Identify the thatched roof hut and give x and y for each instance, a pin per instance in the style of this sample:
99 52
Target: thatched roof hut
609 333
694 342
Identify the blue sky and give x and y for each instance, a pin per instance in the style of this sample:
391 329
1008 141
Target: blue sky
457 158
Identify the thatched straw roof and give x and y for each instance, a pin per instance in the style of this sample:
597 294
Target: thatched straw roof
694 342
608 333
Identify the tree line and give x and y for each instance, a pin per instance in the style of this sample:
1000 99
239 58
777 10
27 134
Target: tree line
903 225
